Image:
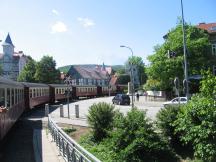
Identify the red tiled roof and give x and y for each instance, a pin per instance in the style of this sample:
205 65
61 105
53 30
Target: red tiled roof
210 27
16 55
90 72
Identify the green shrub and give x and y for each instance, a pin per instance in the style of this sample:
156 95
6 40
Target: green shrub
134 139
101 150
69 130
165 119
100 118
196 123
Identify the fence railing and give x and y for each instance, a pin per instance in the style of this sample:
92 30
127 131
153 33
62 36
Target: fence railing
70 150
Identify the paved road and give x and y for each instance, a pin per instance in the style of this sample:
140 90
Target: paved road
152 108
18 145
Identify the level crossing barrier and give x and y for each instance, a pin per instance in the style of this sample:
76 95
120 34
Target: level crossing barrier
69 149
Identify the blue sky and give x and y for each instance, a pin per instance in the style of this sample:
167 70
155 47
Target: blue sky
91 31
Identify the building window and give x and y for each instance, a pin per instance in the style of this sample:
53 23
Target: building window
89 81
214 49
80 81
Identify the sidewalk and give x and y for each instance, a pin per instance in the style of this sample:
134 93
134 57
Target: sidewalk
45 150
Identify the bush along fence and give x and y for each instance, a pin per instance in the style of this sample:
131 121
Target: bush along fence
69 149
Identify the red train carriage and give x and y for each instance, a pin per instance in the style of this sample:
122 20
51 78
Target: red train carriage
58 92
36 94
11 103
84 91
105 90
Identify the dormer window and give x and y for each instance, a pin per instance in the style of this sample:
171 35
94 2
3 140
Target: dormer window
213 28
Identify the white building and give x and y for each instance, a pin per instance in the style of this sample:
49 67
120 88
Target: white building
11 62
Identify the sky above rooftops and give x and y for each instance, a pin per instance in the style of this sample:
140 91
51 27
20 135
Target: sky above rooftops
91 31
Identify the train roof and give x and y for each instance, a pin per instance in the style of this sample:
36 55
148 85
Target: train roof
27 84
9 82
58 85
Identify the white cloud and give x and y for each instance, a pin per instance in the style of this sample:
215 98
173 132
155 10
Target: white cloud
55 12
59 27
86 22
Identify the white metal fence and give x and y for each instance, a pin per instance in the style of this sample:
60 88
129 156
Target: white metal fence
68 148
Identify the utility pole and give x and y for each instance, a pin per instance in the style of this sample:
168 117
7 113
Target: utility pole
132 75
185 54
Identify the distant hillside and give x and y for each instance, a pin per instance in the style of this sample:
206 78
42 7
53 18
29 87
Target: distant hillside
117 67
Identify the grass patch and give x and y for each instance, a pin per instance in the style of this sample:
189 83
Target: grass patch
69 130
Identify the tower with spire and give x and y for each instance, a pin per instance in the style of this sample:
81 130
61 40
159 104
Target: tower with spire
11 62
8 47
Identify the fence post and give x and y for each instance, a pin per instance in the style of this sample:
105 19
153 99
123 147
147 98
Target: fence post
61 111
77 111
46 109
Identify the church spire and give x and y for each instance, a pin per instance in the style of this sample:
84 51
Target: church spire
8 40
103 68
8 47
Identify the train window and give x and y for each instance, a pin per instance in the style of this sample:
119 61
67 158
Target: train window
8 101
12 97
2 97
30 93
38 92
22 94
15 96
34 93
57 91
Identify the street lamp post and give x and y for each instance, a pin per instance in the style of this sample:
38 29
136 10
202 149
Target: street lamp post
68 81
185 55
132 76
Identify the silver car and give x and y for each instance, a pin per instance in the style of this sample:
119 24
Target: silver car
176 101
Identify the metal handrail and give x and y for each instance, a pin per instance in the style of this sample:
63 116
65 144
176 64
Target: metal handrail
68 148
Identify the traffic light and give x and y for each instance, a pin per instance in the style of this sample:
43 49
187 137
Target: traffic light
171 54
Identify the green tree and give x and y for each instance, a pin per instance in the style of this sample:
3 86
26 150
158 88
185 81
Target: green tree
138 63
123 79
46 71
28 72
164 69
134 139
196 120
101 118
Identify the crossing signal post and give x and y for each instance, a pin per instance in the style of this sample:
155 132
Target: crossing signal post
214 70
176 83
185 86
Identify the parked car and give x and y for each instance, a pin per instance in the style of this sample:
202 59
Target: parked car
176 101
121 99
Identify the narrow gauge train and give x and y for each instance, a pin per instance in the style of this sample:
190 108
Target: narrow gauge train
16 97
12 104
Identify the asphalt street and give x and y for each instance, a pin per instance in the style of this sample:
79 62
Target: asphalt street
152 107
